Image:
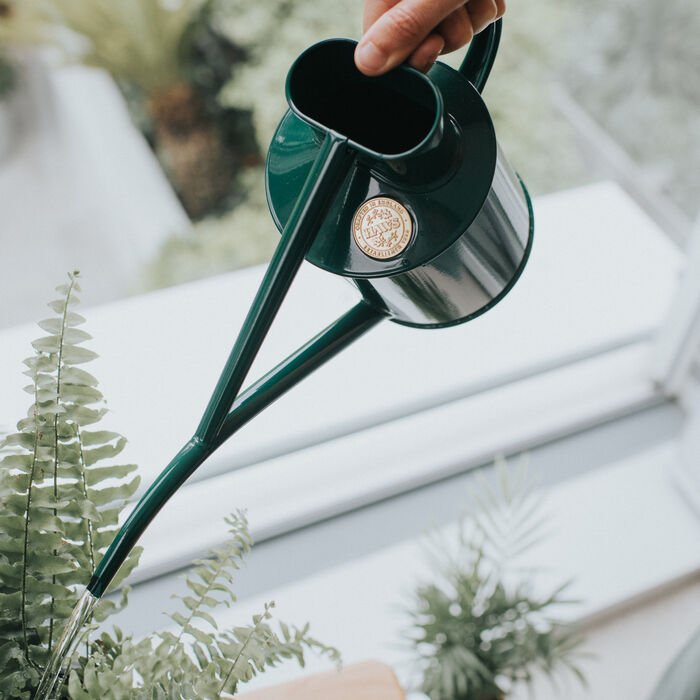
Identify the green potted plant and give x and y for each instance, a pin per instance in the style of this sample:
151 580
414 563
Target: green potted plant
61 495
479 629
170 62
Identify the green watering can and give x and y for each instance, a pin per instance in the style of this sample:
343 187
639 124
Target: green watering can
396 183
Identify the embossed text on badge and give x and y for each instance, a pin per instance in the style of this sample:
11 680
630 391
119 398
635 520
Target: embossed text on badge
382 228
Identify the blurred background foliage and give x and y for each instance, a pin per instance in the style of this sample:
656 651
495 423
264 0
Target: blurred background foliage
272 34
171 61
19 26
637 72
204 81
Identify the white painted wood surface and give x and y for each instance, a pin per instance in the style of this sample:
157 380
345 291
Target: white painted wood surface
622 533
677 343
309 485
601 277
674 366
566 349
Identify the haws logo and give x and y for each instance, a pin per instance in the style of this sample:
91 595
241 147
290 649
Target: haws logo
382 228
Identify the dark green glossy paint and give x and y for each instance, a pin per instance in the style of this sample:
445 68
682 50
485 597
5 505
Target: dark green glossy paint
480 58
322 182
438 156
442 182
299 365
472 224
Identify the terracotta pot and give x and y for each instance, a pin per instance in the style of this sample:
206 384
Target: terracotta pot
370 680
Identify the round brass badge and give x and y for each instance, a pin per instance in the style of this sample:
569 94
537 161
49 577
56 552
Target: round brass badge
382 228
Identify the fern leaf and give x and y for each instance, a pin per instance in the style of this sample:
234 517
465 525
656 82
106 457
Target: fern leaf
57 519
61 495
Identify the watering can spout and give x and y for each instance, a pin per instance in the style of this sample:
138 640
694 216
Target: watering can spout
394 182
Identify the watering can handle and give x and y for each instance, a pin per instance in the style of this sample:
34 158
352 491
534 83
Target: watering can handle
478 62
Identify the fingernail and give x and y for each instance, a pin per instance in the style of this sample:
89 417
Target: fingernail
369 57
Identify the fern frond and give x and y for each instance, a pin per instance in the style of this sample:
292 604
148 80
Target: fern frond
199 660
60 496
60 499
227 659
210 581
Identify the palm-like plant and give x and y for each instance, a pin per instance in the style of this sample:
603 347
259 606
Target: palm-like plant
479 630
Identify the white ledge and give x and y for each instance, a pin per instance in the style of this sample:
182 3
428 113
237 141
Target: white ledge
601 276
565 349
309 485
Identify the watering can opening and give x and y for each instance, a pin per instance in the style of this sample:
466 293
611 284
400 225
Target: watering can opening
394 114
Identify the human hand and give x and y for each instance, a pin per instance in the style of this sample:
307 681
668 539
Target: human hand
419 30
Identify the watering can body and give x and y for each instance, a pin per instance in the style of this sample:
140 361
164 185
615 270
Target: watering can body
430 222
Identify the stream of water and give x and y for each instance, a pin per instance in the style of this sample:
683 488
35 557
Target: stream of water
54 673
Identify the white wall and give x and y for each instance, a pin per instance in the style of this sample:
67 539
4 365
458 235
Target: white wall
79 189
